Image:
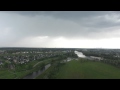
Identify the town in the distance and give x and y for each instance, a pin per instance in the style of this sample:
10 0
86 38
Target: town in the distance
59 63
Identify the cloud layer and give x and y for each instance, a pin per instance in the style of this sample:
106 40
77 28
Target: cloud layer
53 28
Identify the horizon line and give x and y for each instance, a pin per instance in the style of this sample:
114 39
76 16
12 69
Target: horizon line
62 47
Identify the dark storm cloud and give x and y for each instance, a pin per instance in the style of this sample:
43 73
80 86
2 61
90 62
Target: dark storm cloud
69 24
64 14
65 23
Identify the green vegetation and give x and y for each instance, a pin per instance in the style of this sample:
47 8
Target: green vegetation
16 63
22 69
82 70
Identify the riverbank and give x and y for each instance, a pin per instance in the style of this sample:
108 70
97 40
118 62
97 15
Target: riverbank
34 74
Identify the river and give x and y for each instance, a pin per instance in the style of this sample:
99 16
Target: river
36 73
80 54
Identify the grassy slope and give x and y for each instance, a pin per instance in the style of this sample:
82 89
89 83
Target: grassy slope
87 70
45 74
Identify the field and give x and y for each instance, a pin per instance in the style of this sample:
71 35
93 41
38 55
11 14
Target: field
85 70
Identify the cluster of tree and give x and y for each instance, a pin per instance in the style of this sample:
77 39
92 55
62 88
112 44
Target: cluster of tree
112 62
54 69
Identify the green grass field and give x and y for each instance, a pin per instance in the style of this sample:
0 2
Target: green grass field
86 70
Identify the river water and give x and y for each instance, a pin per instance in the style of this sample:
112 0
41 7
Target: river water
80 54
37 73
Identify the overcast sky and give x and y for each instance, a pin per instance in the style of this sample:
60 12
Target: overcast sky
64 29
